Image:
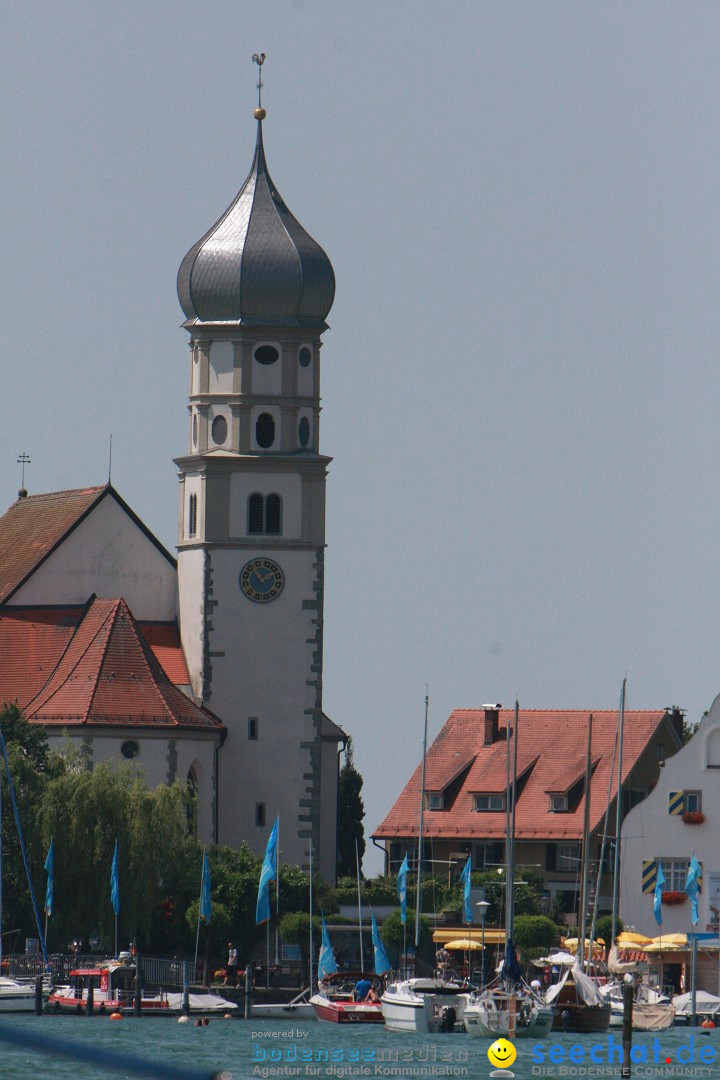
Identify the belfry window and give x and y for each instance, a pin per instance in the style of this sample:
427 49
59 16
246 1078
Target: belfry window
219 430
304 431
192 515
265 430
264 514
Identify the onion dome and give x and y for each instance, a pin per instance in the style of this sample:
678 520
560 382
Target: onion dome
257 265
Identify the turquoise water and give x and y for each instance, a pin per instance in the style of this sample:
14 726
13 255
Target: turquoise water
271 1049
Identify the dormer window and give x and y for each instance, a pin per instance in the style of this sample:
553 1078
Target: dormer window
435 801
489 803
558 804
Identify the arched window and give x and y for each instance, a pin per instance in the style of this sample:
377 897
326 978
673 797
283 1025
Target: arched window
304 431
219 430
265 430
192 515
264 514
305 357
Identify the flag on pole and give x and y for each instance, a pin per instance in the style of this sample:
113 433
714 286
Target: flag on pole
326 961
692 887
205 887
115 882
402 889
382 964
465 878
49 867
267 874
657 902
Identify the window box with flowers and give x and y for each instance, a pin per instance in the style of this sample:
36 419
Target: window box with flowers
672 899
693 817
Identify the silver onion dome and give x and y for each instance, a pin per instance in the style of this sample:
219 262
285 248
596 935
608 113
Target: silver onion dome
257 265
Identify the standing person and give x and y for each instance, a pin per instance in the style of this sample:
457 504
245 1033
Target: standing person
231 969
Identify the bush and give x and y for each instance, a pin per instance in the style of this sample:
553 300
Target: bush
535 932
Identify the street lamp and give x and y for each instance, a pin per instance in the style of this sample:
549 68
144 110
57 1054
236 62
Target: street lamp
483 905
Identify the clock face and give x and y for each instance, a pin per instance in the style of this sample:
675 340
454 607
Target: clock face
261 580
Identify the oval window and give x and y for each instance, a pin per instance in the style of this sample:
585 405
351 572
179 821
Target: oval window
304 431
305 356
219 430
130 749
265 430
266 354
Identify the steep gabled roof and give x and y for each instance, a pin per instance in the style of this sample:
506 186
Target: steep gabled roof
36 525
551 746
108 675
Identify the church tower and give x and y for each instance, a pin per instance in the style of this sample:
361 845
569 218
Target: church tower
256 291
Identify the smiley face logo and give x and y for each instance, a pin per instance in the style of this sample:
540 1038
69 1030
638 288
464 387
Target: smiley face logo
502 1053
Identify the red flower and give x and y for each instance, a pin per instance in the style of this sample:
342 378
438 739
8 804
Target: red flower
672 898
693 817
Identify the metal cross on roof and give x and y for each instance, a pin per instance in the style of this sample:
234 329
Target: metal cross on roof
23 460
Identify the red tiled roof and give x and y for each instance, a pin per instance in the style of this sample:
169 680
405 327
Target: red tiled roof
109 675
94 665
553 738
33 526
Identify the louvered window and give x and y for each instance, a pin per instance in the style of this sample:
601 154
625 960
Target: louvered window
265 431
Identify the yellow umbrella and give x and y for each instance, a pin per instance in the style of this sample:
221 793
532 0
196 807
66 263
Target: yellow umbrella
667 941
463 943
571 943
629 937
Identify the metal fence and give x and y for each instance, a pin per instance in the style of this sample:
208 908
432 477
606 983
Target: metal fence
157 971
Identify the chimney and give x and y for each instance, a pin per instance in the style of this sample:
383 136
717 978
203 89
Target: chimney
492 714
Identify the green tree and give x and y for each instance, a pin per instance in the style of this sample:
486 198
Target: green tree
603 929
395 936
350 816
534 933
295 930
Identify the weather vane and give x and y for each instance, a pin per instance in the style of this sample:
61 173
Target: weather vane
259 60
23 460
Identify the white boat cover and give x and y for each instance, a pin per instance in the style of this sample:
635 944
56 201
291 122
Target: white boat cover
646 1017
618 966
704 1003
201 1003
587 991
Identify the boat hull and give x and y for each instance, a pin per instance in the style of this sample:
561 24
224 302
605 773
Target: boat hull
495 1024
430 1010
578 1018
65 1001
346 1012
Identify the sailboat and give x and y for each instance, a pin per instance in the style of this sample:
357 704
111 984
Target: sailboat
508 1008
578 1003
423 1005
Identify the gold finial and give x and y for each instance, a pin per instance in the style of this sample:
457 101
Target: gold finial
259 113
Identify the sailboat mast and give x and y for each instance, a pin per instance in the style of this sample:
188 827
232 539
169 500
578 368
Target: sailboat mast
420 830
357 866
311 928
585 843
618 816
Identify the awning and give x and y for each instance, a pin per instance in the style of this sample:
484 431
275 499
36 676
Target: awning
492 936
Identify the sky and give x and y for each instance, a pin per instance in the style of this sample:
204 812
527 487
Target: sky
520 384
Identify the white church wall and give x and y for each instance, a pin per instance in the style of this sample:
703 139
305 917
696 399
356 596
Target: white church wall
275 768
220 371
190 610
107 554
267 378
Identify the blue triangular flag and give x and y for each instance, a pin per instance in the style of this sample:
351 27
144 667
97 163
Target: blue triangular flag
326 961
465 878
382 964
115 882
49 865
692 887
205 889
657 902
402 889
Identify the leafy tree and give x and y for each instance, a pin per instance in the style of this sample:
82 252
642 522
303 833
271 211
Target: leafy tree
295 930
603 929
395 937
351 812
534 932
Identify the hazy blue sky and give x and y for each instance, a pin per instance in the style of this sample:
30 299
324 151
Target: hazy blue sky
521 382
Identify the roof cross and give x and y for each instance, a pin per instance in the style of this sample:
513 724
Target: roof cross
23 460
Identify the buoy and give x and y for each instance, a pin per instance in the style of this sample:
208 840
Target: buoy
708 1023
183 1019
116 1016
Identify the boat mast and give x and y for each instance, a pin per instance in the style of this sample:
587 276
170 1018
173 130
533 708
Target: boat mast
420 831
357 865
618 817
311 928
510 834
585 846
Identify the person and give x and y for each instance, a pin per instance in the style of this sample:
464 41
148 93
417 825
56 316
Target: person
373 993
231 970
362 989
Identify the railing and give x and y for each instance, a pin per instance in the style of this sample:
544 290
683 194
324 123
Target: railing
156 971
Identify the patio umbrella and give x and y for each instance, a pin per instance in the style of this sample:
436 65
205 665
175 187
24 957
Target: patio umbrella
463 943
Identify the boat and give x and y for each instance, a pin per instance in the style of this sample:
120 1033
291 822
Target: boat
652 1011
497 1013
424 1006
16 996
110 987
335 1001
508 1008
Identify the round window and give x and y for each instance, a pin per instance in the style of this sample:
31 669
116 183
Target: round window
219 430
305 356
265 430
266 354
304 431
130 749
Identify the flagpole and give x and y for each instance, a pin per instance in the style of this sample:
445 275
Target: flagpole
197 935
311 917
277 894
357 866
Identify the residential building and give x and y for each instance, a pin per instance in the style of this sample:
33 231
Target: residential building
466 792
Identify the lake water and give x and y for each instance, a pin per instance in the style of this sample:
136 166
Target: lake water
271 1049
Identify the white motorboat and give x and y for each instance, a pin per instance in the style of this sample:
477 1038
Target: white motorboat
424 1006
490 1014
16 996
652 1011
